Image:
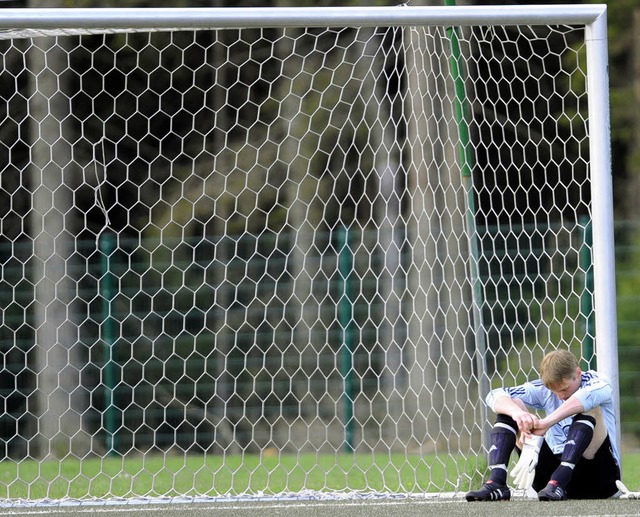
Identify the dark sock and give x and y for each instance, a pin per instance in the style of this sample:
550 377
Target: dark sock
562 475
578 439
503 441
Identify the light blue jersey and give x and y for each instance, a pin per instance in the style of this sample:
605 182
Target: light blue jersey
594 391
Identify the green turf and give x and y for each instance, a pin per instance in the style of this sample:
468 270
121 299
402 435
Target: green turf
192 475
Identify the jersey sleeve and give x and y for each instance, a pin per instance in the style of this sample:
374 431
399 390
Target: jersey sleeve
533 394
595 390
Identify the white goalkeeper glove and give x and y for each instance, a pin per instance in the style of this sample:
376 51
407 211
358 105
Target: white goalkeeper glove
625 493
525 470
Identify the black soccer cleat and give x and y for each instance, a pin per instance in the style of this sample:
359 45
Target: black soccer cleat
552 492
490 491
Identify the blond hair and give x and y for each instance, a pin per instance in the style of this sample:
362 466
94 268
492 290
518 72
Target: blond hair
557 367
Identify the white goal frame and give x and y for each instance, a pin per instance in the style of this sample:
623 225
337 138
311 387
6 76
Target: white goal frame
58 22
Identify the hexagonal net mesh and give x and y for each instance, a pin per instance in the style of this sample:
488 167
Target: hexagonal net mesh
263 261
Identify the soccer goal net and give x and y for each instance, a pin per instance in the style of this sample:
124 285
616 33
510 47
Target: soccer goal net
264 252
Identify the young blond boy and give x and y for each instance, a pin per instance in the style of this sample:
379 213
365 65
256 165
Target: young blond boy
569 453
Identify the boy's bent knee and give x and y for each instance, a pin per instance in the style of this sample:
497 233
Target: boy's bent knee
599 432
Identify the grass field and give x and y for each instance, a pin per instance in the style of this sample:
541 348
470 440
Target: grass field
192 475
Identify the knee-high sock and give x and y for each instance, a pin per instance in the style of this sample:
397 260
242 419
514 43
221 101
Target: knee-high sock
503 441
578 439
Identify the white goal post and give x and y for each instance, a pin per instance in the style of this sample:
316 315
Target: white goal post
275 251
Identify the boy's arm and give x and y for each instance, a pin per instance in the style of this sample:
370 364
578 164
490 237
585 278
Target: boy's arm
571 406
516 409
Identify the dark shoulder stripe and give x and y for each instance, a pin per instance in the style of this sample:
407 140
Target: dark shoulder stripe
518 390
589 376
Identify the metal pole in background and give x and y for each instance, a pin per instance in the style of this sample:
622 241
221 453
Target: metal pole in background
345 316
107 247
466 170
586 297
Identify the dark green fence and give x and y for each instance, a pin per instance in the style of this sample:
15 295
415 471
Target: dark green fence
174 346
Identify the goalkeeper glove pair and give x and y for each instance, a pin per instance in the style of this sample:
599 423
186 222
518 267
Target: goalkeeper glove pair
525 470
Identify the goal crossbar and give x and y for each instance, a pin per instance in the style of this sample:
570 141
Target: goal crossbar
243 17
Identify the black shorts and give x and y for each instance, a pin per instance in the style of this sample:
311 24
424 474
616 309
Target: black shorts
591 479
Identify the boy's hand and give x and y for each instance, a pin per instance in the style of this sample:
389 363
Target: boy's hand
525 420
